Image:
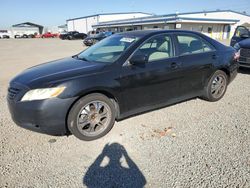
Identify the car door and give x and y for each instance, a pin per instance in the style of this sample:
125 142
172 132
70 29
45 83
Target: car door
238 35
197 58
156 81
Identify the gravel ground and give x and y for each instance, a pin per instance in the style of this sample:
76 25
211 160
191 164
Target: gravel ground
191 144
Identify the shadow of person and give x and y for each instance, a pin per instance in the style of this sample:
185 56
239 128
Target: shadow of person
114 168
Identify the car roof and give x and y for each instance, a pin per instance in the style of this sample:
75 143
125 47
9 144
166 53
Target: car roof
142 33
149 33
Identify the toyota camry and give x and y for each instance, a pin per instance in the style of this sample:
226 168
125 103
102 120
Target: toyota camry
123 75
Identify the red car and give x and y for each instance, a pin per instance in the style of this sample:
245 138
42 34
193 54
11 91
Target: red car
49 35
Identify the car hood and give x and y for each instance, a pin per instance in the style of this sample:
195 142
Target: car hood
245 43
52 72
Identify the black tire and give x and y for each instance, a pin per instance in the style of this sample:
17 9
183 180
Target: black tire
76 111
209 93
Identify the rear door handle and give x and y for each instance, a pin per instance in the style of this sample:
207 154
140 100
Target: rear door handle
214 56
175 65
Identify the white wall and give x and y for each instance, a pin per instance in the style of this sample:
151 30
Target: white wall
84 25
223 15
23 30
112 17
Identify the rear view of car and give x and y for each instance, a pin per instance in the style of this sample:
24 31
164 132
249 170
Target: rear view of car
94 38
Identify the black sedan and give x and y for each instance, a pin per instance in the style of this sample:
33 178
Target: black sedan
92 39
72 35
122 75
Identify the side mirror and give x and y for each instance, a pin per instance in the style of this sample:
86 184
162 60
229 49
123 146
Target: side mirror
138 59
245 35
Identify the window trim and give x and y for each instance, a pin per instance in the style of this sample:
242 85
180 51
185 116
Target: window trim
213 49
172 45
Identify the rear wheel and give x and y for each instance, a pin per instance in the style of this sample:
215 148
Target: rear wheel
70 37
216 87
92 117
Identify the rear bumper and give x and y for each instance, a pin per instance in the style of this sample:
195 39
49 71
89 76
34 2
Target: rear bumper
43 116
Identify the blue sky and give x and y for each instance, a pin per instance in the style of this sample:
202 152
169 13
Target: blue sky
54 13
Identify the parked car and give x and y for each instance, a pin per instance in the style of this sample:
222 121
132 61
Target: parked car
25 36
72 35
122 75
4 34
241 42
49 35
92 39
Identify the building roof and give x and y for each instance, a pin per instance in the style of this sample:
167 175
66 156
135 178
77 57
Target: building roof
176 17
210 11
166 20
27 24
62 26
93 15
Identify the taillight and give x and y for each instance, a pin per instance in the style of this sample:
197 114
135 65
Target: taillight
237 56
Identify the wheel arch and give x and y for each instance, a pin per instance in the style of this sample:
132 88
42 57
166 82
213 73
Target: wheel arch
226 71
106 93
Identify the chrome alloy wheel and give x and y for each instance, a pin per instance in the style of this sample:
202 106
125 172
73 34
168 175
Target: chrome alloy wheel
218 86
94 118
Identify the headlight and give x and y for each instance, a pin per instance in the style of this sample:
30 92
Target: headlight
39 94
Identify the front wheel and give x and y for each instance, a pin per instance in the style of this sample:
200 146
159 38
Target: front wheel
216 87
91 117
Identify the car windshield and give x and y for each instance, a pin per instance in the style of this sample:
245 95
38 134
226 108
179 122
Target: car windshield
108 50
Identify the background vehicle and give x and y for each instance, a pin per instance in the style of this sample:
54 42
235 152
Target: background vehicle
243 48
94 38
241 42
72 35
49 35
4 34
122 75
25 36
241 33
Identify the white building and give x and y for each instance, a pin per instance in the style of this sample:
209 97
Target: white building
84 24
219 24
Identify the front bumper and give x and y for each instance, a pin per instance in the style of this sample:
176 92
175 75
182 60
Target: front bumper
43 116
244 62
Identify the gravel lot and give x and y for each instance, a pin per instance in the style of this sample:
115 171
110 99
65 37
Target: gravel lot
191 144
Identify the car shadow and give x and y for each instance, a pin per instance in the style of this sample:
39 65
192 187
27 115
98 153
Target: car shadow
244 70
114 168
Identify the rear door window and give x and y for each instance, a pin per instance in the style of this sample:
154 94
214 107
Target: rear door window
188 44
